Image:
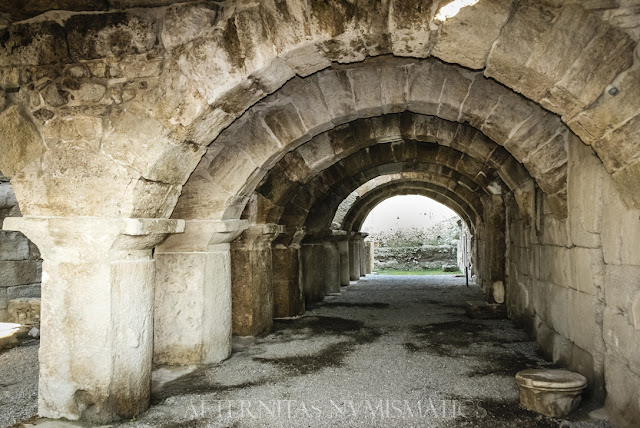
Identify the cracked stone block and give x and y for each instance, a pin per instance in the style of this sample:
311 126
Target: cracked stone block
550 392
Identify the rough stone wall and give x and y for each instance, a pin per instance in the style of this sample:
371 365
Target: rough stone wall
20 264
127 102
576 283
623 14
181 74
415 258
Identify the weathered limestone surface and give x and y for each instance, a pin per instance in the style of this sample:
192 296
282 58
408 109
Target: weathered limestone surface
354 256
321 267
332 266
364 257
21 143
357 256
288 293
575 283
577 36
343 251
288 298
251 280
551 392
315 261
107 115
542 152
368 251
467 37
192 304
99 271
622 401
182 73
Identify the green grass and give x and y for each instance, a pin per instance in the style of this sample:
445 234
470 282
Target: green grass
417 272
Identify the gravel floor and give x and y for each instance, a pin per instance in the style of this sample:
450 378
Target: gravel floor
19 382
391 351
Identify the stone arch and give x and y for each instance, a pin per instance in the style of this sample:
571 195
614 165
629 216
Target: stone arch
389 138
384 180
179 84
397 29
292 185
316 213
216 61
276 125
360 209
483 214
484 251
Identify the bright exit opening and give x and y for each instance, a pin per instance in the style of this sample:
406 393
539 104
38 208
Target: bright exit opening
413 235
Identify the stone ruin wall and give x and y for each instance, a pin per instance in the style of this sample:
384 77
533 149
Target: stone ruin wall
415 258
417 249
576 282
20 264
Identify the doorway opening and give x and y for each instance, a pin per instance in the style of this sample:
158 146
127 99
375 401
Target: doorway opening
416 235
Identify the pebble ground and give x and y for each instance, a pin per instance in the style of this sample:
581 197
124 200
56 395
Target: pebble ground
19 382
389 351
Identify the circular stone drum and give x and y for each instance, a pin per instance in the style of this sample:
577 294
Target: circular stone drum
551 392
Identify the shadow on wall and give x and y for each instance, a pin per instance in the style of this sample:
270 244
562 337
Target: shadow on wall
20 263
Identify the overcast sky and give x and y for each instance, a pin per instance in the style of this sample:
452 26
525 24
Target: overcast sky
406 212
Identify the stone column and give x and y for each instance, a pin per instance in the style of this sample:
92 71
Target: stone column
252 280
364 259
192 319
342 241
97 313
338 256
288 298
321 265
332 267
496 245
354 256
369 252
313 258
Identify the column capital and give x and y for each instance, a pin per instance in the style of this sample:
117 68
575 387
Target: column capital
200 235
338 235
62 237
258 235
327 235
357 236
290 237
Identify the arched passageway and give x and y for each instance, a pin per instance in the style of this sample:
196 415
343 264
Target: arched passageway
187 160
